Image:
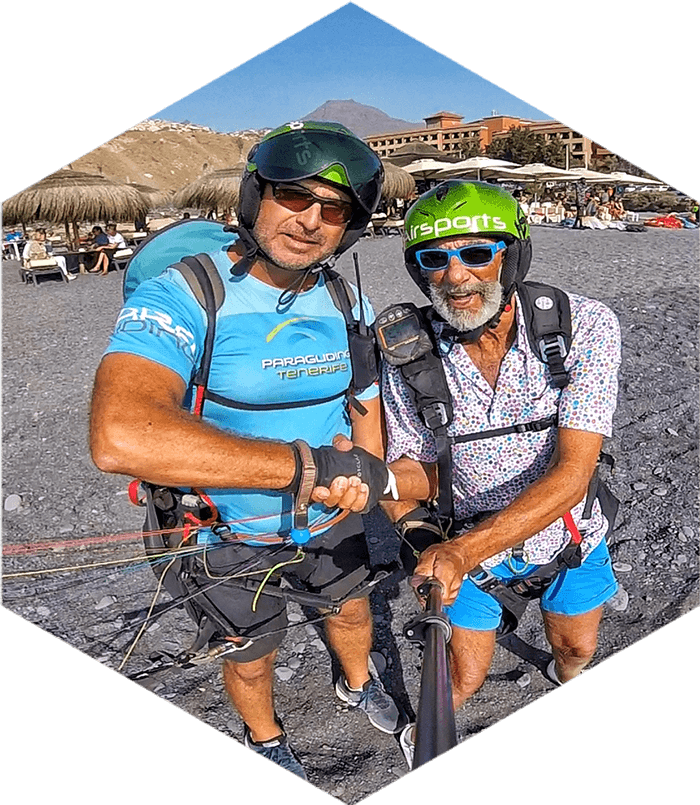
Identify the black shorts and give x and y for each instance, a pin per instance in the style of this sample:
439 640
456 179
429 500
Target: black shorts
334 564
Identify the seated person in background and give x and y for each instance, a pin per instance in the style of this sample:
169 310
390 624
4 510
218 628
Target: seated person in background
101 244
604 212
38 249
115 238
617 210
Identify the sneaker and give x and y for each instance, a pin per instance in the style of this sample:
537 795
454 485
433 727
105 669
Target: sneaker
372 700
278 751
551 673
407 744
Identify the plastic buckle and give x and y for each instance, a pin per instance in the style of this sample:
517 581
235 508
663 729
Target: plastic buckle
485 580
547 348
436 411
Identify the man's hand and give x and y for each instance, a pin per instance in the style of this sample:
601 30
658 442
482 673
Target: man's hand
347 490
448 563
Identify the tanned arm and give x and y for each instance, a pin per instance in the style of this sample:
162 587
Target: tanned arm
138 428
563 486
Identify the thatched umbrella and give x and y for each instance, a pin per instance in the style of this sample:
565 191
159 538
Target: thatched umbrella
153 196
67 197
212 191
398 183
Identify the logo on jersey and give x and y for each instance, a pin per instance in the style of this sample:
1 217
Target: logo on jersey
139 319
294 362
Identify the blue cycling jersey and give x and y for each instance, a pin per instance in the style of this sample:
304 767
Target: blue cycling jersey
261 356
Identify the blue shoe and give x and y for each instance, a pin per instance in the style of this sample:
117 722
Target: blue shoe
278 751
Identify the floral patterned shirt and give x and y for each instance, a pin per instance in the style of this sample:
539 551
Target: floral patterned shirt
488 474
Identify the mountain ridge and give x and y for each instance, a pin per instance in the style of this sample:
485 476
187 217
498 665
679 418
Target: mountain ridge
362 119
168 155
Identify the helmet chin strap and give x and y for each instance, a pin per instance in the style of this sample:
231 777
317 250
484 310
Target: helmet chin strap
253 250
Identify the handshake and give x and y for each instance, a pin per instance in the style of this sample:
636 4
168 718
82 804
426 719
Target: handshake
342 476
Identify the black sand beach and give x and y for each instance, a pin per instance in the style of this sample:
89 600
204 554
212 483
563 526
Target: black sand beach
53 337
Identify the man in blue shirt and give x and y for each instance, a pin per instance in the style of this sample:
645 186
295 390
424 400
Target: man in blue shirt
280 372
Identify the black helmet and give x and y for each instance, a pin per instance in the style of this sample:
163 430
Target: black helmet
306 149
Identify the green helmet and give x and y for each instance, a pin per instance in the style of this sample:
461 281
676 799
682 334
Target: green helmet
306 149
459 207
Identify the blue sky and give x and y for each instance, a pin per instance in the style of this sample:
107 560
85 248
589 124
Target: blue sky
348 54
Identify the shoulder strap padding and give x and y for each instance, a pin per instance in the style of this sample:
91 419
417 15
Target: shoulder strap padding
341 293
196 268
547 315
203 278
361 341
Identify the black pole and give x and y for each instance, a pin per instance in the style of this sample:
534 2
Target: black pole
435 722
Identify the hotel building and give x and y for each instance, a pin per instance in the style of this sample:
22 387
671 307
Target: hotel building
447 132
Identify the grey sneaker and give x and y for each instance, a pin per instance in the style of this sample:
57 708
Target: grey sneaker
372 700
278 751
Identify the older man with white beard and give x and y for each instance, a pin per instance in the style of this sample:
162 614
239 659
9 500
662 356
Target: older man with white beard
519 433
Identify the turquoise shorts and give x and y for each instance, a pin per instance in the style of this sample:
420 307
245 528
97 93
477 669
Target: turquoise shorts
573 592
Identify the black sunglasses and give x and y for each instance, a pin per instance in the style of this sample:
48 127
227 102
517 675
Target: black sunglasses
297 199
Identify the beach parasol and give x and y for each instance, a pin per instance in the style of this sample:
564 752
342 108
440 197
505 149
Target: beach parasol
594 177
67 197
398 183
482 166
425 168
417 149
620 177
212 191
539 172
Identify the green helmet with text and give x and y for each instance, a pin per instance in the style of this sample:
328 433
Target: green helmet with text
459 207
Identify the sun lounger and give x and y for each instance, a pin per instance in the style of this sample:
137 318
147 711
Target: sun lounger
33 269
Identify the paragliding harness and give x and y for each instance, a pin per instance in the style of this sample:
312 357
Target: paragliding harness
407 340
173 514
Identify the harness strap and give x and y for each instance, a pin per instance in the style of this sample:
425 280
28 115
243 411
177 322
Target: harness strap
300 531
217 398
522 427
514 594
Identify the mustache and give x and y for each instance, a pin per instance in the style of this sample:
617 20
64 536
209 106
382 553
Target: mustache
467 289
304 235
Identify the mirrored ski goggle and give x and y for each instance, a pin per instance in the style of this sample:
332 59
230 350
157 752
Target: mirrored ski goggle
297 199
308 152
476 256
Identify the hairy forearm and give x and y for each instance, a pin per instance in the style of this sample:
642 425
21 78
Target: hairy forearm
138 428
416 483
549 498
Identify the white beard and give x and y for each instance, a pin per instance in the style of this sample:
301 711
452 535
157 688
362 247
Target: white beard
491 294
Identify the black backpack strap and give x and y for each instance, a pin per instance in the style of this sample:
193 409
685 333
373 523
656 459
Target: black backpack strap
427 384
362 344
204 280
547 314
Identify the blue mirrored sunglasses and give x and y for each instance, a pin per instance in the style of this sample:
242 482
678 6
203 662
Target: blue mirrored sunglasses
475 256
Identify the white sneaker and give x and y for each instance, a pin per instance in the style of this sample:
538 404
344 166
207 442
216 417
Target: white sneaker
407 743
551 674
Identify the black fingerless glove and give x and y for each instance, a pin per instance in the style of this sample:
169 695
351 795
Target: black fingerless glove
418 529
330 463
